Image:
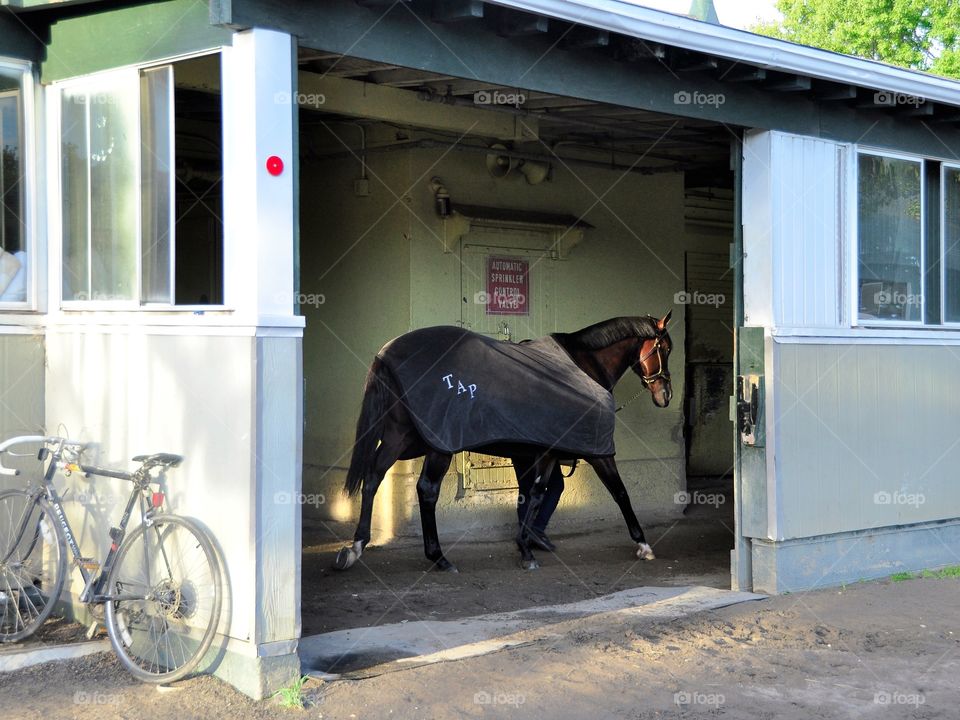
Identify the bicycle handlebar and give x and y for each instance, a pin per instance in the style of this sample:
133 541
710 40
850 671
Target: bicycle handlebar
23 440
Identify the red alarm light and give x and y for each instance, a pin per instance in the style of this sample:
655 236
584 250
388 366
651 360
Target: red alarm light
274 165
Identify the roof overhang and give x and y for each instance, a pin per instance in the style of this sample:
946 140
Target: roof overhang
739 45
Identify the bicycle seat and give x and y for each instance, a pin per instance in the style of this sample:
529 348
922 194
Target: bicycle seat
168 459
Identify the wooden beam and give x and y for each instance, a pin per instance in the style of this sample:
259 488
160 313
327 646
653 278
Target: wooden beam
456 86
921 109
582 38
696 64
379 102
835 92
521 24
404 77
306 56
790 83
447 11
744 74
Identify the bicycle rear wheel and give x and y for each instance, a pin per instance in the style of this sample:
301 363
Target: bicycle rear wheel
165 598
33 564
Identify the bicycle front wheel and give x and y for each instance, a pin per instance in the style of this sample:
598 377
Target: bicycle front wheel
164 598
33 563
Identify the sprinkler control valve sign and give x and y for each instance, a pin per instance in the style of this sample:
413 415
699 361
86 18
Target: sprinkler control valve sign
508 286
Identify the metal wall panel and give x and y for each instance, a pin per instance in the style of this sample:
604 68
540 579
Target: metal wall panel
868 435
807 231
793 231
757 230
21 384
128 393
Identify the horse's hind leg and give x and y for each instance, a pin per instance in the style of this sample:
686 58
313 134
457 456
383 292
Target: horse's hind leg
391 447
435 466
543 467
606 468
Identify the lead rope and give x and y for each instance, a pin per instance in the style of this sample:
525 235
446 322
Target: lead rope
630 400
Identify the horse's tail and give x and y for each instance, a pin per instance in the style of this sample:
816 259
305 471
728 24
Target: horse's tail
373 413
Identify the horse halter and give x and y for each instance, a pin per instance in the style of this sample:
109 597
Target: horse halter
660 373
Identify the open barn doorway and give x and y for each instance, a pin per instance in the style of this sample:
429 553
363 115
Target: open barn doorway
429 200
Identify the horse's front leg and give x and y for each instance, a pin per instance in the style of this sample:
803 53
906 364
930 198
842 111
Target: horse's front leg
542 468
606 468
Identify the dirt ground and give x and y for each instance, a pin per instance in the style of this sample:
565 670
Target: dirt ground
880 649
391 584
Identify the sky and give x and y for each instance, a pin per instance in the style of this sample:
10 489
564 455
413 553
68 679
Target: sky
735 13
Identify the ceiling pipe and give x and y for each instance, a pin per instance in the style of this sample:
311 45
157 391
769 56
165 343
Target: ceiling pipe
429 95
517 154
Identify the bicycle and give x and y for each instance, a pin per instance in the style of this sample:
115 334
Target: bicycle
159 586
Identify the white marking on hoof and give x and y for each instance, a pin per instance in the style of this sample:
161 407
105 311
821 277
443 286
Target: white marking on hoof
645 552
348 556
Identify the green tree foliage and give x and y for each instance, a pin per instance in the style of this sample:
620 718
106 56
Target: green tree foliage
919 34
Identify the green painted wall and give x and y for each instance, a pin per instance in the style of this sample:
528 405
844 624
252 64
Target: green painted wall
113 38
354 252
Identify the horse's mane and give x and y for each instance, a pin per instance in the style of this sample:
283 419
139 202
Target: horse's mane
606 333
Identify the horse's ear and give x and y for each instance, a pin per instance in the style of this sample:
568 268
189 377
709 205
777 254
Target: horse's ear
662 323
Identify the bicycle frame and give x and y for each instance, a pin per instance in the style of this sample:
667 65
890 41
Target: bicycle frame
92 582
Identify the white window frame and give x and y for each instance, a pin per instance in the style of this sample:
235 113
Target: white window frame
854 299
56 107
944 167
28 165
136 304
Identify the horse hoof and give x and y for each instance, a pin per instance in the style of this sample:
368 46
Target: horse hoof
444 565
529 564
345 559
645 552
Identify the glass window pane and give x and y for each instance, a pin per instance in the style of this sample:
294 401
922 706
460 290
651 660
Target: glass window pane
114 147
156 173
73 191
951 244
199 188
889 237
13 248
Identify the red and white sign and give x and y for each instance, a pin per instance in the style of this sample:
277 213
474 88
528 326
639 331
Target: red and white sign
508 286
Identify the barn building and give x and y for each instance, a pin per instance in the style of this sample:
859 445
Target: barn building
215 213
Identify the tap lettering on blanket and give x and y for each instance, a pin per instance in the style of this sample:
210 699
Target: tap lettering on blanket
461 388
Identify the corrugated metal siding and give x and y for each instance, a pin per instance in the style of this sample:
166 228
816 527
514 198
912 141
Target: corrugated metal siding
807 231
757 230
793 231
21 384
855 421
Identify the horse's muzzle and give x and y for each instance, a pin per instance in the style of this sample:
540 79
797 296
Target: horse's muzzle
662 395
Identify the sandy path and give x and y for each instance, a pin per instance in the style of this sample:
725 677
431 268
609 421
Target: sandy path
869 650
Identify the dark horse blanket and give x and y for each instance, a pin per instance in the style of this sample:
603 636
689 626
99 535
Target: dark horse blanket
465 391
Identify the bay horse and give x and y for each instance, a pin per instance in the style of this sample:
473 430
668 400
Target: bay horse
386 432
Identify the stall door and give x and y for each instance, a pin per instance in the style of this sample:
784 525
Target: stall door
709 291
507 282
